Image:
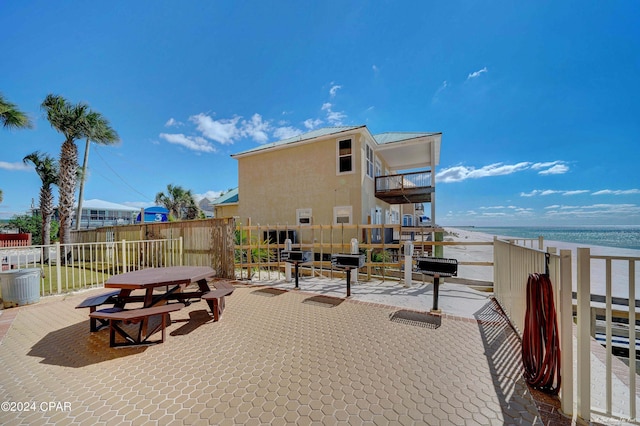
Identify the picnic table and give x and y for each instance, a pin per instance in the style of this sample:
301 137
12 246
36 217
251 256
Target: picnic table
160 285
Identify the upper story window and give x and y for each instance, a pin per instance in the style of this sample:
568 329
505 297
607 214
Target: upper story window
369 161
378 168
345 156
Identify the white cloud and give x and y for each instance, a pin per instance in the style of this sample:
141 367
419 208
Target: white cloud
194 143
286 132
334 89
543 192
375 68
477 73
594 211
575 192
461 173
224 131
558 169
333 117
440 89
15 166
172 122
210 195
551 167
312 123
256 129
617 192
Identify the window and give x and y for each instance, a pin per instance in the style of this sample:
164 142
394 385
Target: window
342 214
303 216
378 168
345 156
369 161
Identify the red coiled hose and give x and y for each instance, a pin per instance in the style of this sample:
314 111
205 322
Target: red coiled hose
540 343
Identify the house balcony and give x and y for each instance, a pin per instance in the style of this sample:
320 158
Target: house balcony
405 188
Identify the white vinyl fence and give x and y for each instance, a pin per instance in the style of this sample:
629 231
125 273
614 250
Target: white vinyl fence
68 267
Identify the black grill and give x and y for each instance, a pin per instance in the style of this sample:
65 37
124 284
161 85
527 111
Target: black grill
437 266
347 261
293 256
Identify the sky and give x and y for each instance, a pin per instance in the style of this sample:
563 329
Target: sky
538 102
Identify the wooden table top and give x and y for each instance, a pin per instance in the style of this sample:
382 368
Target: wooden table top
156 277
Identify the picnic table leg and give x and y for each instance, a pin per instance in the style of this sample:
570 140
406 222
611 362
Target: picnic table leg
204 288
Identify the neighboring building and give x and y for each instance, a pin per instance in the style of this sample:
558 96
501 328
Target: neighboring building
336 175
226 205
206 208
97 213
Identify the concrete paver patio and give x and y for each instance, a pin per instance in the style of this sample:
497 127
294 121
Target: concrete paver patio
276 357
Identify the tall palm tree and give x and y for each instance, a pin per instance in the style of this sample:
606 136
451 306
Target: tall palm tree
100 132
47 168
11 117
179 202
74 122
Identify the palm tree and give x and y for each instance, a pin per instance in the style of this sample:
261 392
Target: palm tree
100 132
74 122
11 117
179 202
47 168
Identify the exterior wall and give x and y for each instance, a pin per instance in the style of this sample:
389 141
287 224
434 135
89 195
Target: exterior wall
225 210
272 185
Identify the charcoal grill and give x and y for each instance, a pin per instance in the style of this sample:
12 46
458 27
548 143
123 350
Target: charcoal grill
347 262
437 268
296 257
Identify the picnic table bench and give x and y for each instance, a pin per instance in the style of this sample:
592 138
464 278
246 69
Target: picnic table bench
216 300
118 316
93 302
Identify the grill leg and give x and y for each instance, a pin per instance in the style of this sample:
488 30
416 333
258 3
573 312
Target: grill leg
296 275
436 288
348 282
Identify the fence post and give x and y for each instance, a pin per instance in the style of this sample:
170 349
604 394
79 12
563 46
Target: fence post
59 263
566 332
180 248
584 334
408 263
125 266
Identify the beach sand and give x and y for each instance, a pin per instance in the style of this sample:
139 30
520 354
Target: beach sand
620 269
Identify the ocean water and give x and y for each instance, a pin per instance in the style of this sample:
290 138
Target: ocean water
608 236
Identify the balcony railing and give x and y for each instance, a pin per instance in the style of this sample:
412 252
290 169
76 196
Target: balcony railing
414 187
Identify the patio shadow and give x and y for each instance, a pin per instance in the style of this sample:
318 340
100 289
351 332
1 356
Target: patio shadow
74 346
196 319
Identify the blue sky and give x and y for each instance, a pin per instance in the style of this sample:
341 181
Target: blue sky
538 102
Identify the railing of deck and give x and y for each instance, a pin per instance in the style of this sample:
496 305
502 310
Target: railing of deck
620 390
68 267
403 181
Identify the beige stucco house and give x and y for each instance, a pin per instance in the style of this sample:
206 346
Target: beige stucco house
336 175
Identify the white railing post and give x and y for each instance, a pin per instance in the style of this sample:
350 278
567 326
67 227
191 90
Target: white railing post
584 334
632 339
566 333
125 267
59 263
408 263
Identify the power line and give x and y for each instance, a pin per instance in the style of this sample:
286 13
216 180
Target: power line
120 177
